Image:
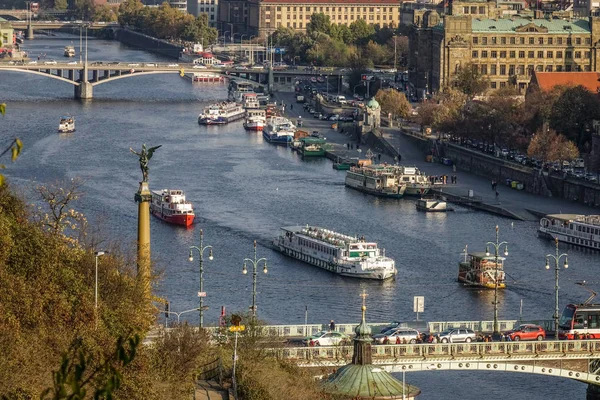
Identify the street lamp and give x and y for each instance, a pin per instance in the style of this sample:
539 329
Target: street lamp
254 263
96 254
225 37
355 86
242 45
395 57
496 246
556 258
231 37
201 293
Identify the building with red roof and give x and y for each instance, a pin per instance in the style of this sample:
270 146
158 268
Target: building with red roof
548 80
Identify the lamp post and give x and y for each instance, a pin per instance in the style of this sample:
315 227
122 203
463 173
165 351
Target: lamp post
242 45
96 254
251 50
254 263
201 293
179 314
395 56
496 246
80 43
225 37
355 86
556 258
231 31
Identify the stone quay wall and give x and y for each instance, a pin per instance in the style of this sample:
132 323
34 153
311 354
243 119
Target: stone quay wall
148 43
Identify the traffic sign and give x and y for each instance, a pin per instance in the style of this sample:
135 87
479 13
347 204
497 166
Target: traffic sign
201 294
240 328
419 304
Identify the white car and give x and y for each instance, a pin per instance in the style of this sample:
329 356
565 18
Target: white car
406 335
72 63
173 65
32 62
199 66
326 338
133 65
149 65
50 62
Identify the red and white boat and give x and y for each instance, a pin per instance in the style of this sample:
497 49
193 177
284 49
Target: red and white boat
255 120
170 206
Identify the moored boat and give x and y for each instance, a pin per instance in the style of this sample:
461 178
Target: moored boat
279 130
66 124
342 254
479 269
417 183
255 120
171 206
312 147
432 205
579 230
250 100
221 113
378 180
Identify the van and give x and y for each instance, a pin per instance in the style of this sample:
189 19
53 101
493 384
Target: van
341 99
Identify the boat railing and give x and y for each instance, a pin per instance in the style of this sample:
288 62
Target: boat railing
569 232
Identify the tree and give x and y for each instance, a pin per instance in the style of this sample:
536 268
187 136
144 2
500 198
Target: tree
573 112
128 12
548 146
393 102
319 23
105 13
469 81
14 147
361 31
60 5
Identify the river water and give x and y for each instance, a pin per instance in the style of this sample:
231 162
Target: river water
244 189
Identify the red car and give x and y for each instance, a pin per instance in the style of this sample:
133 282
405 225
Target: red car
527 332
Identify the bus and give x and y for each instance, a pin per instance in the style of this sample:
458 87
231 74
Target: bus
579 320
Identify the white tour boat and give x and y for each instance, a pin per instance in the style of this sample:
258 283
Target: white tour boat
417 183
250 101
255 120
69 51
221 113
378 180
335 252
279 130
171 206
66 124
580 230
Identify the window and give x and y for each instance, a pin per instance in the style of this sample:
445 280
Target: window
540 54
530 70
521 40
568 54
588 55
307 9
530 54
475 40
568 68
559 54
511 70
326 8
493 70
559 40
548 68
493 85
294 8
549 54
513 40
588 41
502 84
569 41
484 40
493 39
473 10
278 16
481 10
550 40
540 40
502 40
577 40
559 68
503 54
484 70
371 9
521 54
531 40
503 69
484 53
520 70
512 54
278 8
475 54
539 68
494 54
577 54
465 10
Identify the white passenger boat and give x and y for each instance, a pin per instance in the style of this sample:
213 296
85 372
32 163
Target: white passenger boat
255 120
221 113
69 51
417 183
580 230
66 124
250 101
378 180
336 252
279 130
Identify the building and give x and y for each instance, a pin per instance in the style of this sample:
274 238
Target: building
505 50
261 17
209 7
7 39
582 8
548 80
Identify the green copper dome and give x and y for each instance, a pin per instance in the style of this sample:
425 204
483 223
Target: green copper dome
373 104
363 330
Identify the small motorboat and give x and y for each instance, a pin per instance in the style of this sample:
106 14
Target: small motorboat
66 124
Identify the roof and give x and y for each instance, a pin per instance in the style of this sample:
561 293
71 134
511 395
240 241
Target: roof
395 3
509 25
548 80
483 256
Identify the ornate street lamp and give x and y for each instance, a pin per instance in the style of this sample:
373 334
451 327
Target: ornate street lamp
96 254
556 258
201 250
254 263
496 246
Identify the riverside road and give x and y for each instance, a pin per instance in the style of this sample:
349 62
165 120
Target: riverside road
245 189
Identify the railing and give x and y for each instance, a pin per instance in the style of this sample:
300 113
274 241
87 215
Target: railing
582 349
211 371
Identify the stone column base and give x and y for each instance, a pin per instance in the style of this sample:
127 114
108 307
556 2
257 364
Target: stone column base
84 90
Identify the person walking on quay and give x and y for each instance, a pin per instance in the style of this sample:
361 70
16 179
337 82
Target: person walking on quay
332 326
379 157
497 199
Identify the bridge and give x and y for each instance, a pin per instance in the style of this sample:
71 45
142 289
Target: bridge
84 76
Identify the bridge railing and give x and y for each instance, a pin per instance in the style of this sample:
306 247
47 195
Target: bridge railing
399 353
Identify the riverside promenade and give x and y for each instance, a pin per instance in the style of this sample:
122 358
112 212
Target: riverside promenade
516 204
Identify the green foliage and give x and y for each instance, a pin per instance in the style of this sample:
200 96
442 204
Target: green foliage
105 13
60 4
319 23
470 81
361 31
393 102
573 112
14 147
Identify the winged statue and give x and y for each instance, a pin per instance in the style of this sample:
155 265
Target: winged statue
145 156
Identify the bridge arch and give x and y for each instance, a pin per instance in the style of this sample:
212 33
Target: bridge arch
36 72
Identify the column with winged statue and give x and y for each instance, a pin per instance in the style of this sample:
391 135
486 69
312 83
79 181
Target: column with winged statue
143 197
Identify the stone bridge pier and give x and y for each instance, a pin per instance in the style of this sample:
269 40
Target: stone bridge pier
84 91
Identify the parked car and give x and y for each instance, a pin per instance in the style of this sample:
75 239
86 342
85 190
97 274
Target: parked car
406 335
346 118
318 115
333 117
458 335
199 66
173 65
327 338
50 62
527 332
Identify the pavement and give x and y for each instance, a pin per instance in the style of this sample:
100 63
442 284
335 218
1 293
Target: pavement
510 202
210 390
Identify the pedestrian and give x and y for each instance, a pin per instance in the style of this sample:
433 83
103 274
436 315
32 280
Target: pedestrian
311 343
379 156
508 338
497 194
399 157
493 184
386 340
332 326
351 146
291 106
398 340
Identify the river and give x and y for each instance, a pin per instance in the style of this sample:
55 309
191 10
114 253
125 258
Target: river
244 189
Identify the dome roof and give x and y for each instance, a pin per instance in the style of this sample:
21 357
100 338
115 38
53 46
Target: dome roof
373 104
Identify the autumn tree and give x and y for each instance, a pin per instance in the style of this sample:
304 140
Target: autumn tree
470 81
105 13
549 146
393 102
14 147
573 112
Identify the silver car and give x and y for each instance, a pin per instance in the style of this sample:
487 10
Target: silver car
458 335
406 335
